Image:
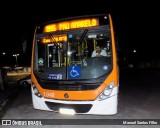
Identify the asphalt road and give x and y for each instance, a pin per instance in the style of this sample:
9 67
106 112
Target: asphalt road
139 98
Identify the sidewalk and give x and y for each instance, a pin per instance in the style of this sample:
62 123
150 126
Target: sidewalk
6 97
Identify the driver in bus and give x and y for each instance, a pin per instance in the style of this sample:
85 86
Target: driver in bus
98 52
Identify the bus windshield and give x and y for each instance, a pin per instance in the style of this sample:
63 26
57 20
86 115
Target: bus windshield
68 54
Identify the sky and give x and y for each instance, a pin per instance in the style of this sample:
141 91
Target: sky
135 23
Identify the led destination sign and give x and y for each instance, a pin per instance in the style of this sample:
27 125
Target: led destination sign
66 25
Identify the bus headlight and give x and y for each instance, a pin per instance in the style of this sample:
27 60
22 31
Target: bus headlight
107 92
35 90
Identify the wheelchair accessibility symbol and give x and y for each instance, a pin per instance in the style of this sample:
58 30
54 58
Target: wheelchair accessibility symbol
74 71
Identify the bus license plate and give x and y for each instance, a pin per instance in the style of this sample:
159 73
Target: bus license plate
67 111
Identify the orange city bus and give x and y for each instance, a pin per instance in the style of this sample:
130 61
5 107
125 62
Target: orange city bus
65 77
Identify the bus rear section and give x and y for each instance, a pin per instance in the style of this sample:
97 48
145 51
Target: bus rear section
66 78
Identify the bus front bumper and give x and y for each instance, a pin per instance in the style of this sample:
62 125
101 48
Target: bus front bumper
103 107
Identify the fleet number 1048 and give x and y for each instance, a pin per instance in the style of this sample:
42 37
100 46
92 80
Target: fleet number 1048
48 94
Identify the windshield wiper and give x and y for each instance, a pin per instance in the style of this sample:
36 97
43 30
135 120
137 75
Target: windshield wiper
82 36
52 39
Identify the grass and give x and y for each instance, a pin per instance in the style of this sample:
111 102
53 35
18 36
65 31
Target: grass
13 77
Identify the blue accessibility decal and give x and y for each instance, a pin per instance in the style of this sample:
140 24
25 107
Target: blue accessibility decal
74 71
